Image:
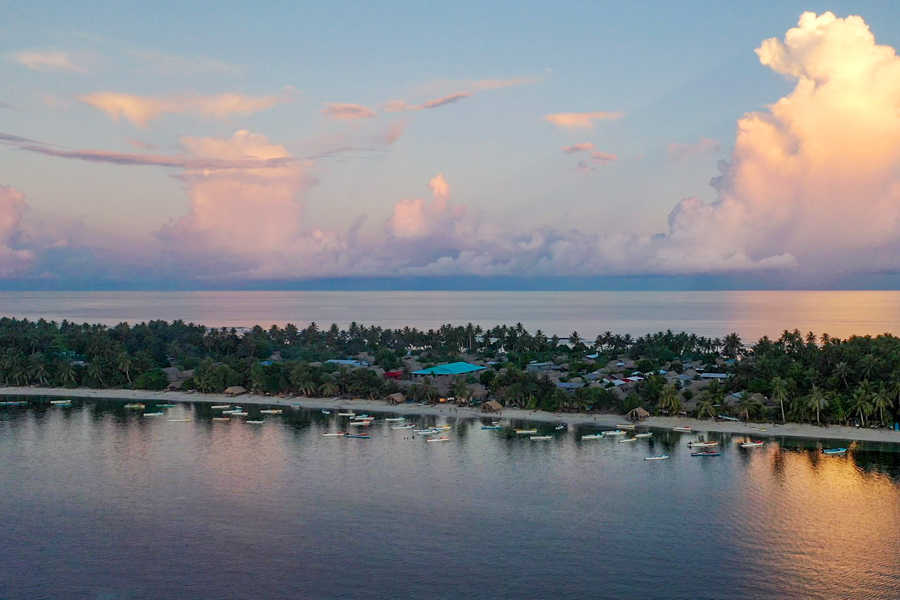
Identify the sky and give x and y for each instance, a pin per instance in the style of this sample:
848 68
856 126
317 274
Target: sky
449 145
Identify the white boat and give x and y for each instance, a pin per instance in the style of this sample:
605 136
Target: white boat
221 419
238 414
326 412
62 402
702 444
592 436
220 406
255 421
271 411
753 444
443 427
628 427
682 429
643 435
525 431
540 438
561 426
657 457
347 414
616 432
135 406
359 424
179 420
395 419
154 414
423 431
338 434
407 426
626 440
440 439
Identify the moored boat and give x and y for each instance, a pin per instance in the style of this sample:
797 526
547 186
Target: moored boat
492 427
702 444
166 405
614 432
254 421
154 414
271 411
407 426
626 440
135 406
359 424
326 412
706 453
188 420
561 426
347 414
394 419
361 436
834 451
439 439
682 429
525 431
643 435
238 413
592 436
752 444
220 406
62 402
540 438
657 457
628 427
221 419
338 434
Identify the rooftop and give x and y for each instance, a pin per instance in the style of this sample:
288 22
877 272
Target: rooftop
457 368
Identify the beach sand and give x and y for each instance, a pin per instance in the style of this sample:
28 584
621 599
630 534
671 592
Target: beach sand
802 430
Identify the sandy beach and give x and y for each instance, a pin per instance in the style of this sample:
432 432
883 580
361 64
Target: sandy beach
801 430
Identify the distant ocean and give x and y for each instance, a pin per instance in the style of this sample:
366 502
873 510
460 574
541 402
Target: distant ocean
750 313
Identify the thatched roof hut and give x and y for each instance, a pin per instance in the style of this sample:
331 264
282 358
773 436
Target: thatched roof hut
491 406
637 414
397 398
235 390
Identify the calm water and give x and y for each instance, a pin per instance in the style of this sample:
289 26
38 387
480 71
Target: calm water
752 314
101 504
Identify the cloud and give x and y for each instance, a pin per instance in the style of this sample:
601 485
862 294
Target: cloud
342 112
169 64
580 147
401 106
52 61
581 120
597 157
498 84
677 151
140 144
141 109
13 259
472 87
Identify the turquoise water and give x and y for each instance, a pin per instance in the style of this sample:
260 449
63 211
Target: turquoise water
714 314
99 502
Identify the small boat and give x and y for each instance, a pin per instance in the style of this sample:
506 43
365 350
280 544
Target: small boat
629 427
238 414
561 426
657 457
166 405
445 427
440 439
492 427
423 431
221 419
643 435
525 431
834 451
188 420
758 429
682 429
338 434
255 421
616 432
60 402
361 436
592 436
271 411
407 426
346 414
13 403
626 440
135 406
752 444
727 418
63 405
326 412
154 414
702 444
540 438
395 419
359 424
706 453
362 416
220 406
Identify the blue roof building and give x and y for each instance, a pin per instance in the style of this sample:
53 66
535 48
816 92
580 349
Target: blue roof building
457 368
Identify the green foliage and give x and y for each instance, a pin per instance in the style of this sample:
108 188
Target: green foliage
153 379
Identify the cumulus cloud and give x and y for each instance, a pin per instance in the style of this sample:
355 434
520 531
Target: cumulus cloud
581 120
13 259
52 60
677 150
141 109
343 112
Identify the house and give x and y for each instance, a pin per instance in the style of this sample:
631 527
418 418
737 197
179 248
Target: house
457 368
569 386
347 363
395 374
491 406
714 376
397 398
540 366
235 390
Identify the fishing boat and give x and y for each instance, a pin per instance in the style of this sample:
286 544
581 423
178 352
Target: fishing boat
326 412
440 439
643 435
361 436
359 424
395 419
255 421
63 405
540 438
13 403
727 418
407 426
702 444
362 416
238 413
166 405
154 414
628 427
525 431
561 426
62 402
706 453
338 434
135 406
834 451
221 419
657 457
682 429
626 440
347 414
592 436
616 432
188 420
752 444
271 411
423 431
445 427
220 406
492 427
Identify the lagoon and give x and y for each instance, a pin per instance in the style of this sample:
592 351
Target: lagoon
112 505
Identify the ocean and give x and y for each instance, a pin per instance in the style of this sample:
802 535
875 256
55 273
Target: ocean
100 503
752 314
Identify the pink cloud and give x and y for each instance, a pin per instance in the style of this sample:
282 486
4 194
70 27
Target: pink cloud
677 151
52 60
401 106
13 260
141 109
343 112
603 158
581 120
580 147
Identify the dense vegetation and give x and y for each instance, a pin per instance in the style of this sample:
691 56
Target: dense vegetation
796 377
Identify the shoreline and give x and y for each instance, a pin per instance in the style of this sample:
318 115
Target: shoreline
798 430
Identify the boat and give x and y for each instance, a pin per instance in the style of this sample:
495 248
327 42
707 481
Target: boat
706 453
752 444
220 406
13 403
271 411
682 429
347 414
758 429
254 421
657 457
359 424
407 426
166 405
592 436
615 432
338 434
63 405
62 402
238 414
540 438
492 427
440 439
702 444
135 406
445 427
561 426
154 414
626 440
629 427
221 419
326 412
179 420
394 419
423 431
361 436
525 431
727 418
834 451
643 435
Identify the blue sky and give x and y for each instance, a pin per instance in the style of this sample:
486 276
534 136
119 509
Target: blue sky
485 184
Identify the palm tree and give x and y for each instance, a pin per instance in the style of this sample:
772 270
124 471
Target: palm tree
96 372
748 404
882 400
66 373
123 363
861 401
460 389
780 394
329 389
668 400
706 407
732 345
816 401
